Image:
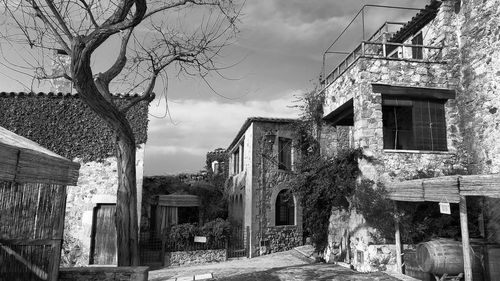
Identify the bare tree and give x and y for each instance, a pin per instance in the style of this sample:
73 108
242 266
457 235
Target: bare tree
186 35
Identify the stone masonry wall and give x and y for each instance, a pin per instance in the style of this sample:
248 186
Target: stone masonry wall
283 238
479 94
97 184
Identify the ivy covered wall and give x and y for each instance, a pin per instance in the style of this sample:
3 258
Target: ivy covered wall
65 125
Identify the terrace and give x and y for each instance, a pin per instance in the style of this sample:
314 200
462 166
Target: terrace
390 42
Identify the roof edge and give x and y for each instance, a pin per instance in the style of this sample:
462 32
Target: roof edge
251 120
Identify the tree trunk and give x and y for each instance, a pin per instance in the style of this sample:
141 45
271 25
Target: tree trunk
126 201
126 204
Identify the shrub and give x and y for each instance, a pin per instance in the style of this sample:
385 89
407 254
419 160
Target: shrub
180 237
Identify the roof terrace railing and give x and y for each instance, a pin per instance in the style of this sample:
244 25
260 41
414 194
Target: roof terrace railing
384 50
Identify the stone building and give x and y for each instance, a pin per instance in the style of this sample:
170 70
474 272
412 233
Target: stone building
422 99
217 162
261 160
64 124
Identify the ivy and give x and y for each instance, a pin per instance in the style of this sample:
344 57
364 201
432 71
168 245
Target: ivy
65 124
324 184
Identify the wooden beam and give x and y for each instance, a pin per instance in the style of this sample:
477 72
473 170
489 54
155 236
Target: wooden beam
465 238
397 237
480 185
411 191
413 92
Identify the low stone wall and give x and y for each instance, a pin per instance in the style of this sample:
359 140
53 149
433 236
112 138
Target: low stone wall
283 238
195 257
91 273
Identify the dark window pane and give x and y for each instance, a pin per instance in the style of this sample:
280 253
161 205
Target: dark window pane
284 154
398 127
417 124
285 208
417 52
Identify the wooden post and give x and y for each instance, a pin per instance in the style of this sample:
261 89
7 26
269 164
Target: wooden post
399 262
58 237
465 238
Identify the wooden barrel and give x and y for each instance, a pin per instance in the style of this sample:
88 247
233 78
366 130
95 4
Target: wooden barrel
445 256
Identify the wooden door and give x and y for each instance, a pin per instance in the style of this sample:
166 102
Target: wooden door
103 243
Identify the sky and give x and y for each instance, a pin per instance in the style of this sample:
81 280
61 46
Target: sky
279 52
276 57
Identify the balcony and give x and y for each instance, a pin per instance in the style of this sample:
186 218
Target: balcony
392 41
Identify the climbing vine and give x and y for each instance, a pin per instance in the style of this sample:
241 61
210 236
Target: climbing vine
325 183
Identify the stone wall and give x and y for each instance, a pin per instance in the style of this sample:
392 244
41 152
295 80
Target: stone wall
97 184
104 273
479 94
283 238
195 257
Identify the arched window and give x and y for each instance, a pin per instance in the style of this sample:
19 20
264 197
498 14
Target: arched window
285 208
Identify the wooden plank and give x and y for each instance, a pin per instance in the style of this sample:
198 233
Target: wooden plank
465 238
411 191
480 185
414 92
441 189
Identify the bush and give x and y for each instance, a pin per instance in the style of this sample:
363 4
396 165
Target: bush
181 236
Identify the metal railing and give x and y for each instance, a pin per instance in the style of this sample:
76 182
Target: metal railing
384 50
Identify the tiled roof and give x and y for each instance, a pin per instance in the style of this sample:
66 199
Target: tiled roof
250 120
416 23
59 94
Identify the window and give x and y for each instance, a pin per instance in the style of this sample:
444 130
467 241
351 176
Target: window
417 52
285 208
242 149
236 161
284 154
414 124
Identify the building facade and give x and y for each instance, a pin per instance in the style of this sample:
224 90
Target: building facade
423 99
261 158
64 124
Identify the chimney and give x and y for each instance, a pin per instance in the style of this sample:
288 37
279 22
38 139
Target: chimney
61 64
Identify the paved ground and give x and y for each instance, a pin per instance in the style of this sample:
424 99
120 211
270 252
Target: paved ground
289 266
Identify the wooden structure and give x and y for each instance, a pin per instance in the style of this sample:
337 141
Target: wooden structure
448 189
33 184
167 207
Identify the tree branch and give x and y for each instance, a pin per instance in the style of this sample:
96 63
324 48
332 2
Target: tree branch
59 19
44 18
89 12
121 60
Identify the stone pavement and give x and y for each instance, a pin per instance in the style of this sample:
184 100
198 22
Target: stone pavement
289 265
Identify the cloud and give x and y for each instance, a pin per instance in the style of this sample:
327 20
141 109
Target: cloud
199 126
